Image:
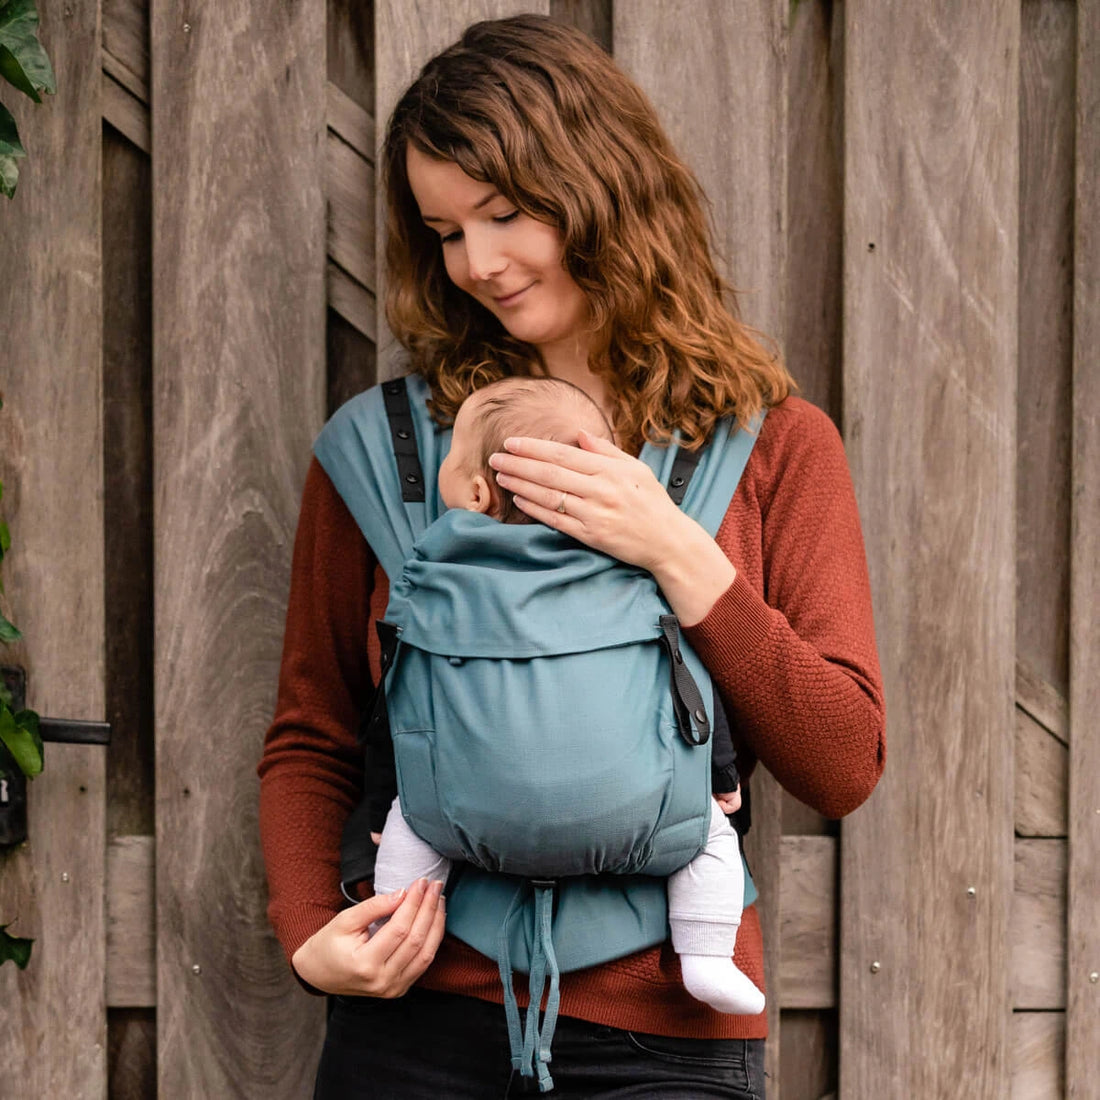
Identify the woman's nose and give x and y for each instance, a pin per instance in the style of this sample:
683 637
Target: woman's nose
484 258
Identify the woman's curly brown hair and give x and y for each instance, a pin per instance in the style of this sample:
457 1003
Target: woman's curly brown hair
538 110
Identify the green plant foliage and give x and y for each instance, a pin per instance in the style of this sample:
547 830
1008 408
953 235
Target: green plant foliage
18 729
14 948
19 732
25 65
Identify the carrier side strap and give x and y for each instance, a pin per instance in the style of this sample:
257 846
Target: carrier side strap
687 700
403 432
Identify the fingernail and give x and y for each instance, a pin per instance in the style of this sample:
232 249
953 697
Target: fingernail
494 460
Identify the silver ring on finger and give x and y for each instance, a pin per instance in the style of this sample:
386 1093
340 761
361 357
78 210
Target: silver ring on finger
561 505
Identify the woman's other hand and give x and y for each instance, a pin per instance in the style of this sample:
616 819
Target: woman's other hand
730 801
614 504
343 957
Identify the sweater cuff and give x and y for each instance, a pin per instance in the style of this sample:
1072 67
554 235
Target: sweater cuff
737 625
294 926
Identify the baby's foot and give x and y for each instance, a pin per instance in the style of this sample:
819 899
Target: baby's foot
714 980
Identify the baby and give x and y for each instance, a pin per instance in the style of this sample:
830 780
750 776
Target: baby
705 896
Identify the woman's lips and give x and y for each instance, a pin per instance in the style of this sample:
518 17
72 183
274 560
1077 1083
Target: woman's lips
511 299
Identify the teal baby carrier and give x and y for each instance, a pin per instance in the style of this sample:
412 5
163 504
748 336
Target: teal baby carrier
550 725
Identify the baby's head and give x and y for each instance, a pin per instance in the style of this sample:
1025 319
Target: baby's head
544 408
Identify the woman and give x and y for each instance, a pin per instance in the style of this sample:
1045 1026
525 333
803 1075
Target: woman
540 222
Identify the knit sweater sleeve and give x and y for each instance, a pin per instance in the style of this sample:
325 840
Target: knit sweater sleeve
791 642
311 769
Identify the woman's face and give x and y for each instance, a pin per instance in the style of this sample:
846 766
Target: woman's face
505 259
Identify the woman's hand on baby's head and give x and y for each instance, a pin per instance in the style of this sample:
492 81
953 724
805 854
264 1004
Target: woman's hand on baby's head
612 501
344 957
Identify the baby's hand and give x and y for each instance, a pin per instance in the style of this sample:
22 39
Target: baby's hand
731 802
377 838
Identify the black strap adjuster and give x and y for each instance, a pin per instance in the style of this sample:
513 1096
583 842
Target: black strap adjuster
395 395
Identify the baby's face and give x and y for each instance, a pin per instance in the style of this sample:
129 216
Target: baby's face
461 482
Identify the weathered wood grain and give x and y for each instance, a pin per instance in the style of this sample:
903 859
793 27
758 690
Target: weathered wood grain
407 34
349 30
1046 338
1083 953
737 58
1037 935
125 38
350 121
131 923
1038 1042
814 230
132 1054
125 112
128 483
238 280
350 196
594 17
930 292
1042 701
814 203
53 1030
807 906
809 1066
1041 780
351 360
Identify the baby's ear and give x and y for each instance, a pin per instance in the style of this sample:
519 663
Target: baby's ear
481 496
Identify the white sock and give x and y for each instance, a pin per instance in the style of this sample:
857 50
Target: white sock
714 980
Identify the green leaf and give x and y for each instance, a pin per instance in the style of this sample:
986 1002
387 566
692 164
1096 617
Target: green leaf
9 135
5 694
5 538
23 60
14 948
10 152
22 739
9 632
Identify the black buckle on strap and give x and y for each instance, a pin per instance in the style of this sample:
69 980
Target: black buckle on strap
687 701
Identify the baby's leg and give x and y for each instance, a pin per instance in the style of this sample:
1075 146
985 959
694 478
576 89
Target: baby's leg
403 857
704 912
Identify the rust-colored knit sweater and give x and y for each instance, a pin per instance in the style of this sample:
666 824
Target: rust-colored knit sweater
790 644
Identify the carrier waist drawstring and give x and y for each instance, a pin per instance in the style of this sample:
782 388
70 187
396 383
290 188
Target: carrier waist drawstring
530 1046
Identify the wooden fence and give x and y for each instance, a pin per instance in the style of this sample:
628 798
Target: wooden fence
909 197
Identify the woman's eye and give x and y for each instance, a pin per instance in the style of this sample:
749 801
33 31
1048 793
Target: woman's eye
503 219
447 238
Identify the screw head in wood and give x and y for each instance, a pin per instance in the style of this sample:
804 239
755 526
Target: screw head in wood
64 876
1094 977
187 28
876 967
971 892
196 970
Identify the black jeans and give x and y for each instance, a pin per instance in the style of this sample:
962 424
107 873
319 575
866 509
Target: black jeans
436 1046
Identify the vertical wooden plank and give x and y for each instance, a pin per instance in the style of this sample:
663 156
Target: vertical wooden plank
407 33
1044 416
930 320
814 237
1083 955
815 202
52 1016
238 394
594 17
729 123
1038 1055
